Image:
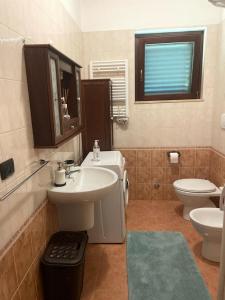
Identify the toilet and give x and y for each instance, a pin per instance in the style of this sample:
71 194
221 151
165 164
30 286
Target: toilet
208 222
195 193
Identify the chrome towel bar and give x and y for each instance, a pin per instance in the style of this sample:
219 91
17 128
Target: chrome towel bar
42 163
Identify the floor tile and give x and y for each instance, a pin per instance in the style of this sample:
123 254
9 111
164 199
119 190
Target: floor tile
105 268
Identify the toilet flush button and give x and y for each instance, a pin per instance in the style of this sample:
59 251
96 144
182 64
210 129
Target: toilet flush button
222 121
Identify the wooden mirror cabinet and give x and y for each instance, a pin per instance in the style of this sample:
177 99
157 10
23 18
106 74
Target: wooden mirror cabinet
54 91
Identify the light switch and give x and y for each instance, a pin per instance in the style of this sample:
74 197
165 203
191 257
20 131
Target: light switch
222 121
7 168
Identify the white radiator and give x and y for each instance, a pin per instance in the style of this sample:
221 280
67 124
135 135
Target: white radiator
117 71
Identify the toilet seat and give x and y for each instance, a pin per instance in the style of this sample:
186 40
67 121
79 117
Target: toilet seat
194 185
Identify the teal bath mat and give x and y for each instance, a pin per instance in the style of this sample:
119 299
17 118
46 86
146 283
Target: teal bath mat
161 267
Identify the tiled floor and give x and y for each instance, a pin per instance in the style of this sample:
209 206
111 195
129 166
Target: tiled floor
105 270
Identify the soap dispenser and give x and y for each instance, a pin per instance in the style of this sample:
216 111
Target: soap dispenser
60 175
96 151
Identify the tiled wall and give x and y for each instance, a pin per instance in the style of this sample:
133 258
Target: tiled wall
180 124
49 21
218 134
19 265
37 22
217 168
151 175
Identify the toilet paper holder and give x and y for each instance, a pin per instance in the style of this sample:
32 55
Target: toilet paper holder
168 153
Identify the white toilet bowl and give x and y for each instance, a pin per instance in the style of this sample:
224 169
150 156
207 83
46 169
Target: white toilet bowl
208 222
195 193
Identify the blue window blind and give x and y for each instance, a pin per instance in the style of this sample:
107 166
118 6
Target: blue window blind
168 68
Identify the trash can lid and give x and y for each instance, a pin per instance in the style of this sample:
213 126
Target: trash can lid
65 248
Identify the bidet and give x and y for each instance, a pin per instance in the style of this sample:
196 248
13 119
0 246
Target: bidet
208 222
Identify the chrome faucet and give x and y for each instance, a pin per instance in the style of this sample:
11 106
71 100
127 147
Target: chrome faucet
68 173
67 166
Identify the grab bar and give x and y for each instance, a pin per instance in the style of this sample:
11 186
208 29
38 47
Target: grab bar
42 164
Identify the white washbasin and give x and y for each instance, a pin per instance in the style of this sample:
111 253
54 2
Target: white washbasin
88 184
75 200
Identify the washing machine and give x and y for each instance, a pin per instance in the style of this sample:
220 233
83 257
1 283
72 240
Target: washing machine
110 212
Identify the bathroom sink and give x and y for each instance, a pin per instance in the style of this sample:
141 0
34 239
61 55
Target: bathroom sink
87 184
75 200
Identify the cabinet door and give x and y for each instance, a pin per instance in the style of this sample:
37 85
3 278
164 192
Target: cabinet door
96 103
55 89
111 112
70 91
53 95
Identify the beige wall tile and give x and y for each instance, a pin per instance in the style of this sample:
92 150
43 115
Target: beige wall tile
158 158
187 172
158 175
214 161
169 193
165 176
132 191
143 158
20 257
202 158
16 296
36 272
143 175
184 124
172 174
27 289
218 134
52 224
37 22
23 255
143 191
202 173
131 159
222 167
8 278
187 158
38 232
132 176
157 193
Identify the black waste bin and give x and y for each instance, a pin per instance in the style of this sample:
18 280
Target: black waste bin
62 266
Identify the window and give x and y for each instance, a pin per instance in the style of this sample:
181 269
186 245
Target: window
168 66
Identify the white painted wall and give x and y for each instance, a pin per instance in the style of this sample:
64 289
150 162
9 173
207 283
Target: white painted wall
99 15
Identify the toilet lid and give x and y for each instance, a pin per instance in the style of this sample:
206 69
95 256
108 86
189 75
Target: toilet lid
194 185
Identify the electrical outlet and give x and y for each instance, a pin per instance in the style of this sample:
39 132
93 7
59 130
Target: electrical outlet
7 168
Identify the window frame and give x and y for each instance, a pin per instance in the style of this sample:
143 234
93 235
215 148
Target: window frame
170 37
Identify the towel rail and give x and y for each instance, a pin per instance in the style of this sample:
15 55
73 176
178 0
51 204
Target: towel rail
117 71
42 162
